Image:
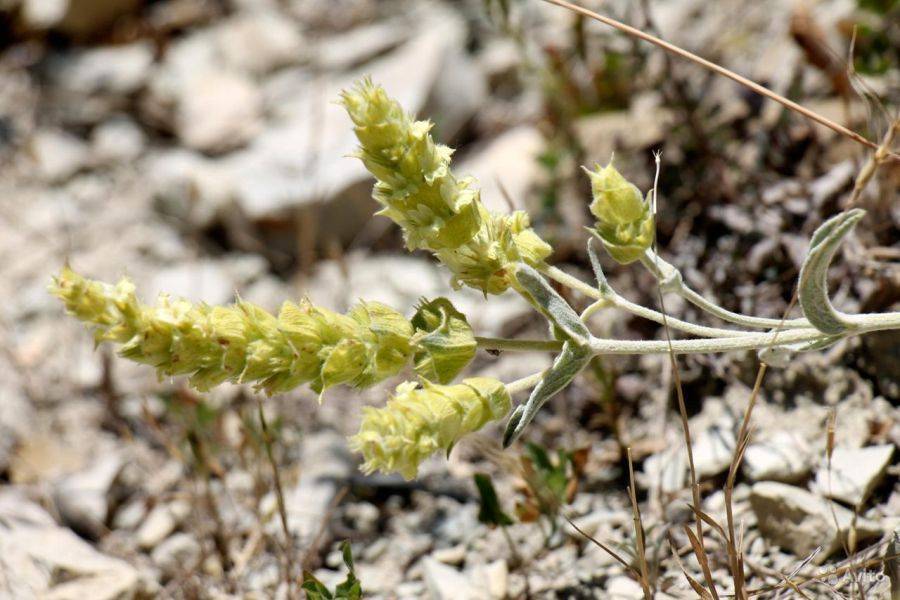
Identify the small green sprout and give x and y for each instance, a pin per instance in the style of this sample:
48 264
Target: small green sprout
349 589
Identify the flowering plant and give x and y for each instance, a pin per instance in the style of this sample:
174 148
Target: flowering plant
484 250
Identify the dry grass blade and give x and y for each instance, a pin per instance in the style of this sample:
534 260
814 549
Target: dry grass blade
759 89
699 551
640 546
696 585
605 548
710 521
682 409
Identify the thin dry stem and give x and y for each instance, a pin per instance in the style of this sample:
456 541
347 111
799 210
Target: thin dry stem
639 544
279 494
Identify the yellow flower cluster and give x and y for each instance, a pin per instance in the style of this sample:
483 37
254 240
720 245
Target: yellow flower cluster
436 211
243 342
625 220
419 421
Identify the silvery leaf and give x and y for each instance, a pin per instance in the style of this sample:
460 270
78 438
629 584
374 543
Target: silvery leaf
570 361
813 292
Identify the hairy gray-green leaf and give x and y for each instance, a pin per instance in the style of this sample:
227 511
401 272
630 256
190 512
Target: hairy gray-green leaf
444 341
813 291
570 361
552 305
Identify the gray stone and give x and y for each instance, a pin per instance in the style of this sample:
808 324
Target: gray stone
492 578
446 583
178 554
281 170
117 140
508 162
74 17
854 473
801 522
117 70
258 42
326 464
161 522
83 498
218 111
783 456
58 155
352 48
624 588
40 559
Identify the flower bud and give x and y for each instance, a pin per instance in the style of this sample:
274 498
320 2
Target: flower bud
625 221
420 421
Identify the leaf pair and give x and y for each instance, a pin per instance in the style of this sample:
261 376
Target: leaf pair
574 357
349 589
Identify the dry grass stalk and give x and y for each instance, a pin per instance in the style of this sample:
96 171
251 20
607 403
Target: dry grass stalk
288 545
639 542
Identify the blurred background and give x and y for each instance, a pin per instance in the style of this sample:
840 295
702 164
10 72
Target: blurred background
196 147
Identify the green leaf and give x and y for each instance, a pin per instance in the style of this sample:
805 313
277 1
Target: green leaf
567 365
444 341
813 288
349 589
552 305
490 511
315 589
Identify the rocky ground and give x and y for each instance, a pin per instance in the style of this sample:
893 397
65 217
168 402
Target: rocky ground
195 146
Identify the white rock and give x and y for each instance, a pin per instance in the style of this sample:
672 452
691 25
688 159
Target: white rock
349 49
42 14
624 588
218 111
282 169
117 140
178 554
492 578
784 456
326 463
190 186
446 583
507 162
258 42
40 559
109 69
83 498
800 521
714 448
161 522
58 155
854 473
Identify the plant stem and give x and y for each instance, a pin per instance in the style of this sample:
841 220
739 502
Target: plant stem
667 272
279 495
520 385
489 343
614 299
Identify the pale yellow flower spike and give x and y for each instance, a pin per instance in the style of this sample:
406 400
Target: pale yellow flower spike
420 421
243 342
436 211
